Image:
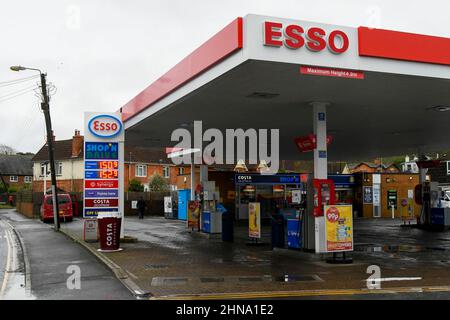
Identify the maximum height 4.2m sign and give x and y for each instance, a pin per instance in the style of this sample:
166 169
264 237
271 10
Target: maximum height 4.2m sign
103 162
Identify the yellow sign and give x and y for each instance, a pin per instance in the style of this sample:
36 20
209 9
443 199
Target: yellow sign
193 214
254 220
339 228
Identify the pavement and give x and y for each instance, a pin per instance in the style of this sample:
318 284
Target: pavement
43 262
169 262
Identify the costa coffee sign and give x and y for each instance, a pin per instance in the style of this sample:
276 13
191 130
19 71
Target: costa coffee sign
296 37
105 126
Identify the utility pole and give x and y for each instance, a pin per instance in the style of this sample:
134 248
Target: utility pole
45 106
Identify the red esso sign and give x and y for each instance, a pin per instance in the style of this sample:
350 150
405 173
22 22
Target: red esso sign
332 214
105 126
295 37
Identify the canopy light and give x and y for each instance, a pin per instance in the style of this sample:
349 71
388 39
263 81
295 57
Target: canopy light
240 166
441 108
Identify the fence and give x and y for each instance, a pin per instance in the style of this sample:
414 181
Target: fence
154 201
29 203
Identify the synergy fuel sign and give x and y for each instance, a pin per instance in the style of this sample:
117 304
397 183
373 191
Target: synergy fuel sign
102 163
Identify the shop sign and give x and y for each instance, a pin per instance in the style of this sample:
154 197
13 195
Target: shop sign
193 214
295 37
296 196
241 178
167 204
332 72
368 195
254 220
105 126
339 228
101 203
102 162
102 194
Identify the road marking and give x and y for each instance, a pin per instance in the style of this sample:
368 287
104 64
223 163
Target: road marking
395 279
8 265
303 293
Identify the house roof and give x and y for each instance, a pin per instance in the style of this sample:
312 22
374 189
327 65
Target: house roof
62 151
16 164
352 166
146 155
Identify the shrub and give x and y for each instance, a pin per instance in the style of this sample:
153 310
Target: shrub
135 186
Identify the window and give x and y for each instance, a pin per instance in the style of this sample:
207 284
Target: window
448 168
181 171
28 179
42 169
13 179
166 172
58 166
141 170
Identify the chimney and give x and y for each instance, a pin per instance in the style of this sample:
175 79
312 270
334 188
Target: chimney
77 144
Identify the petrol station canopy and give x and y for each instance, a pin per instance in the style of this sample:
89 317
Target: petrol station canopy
388 91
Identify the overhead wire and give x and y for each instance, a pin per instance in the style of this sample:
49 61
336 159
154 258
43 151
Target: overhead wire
17 81
16 93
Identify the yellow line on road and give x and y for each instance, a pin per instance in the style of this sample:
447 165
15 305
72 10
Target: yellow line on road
303 293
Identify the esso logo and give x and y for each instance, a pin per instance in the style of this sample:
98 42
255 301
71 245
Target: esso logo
105 126
332 214
295 37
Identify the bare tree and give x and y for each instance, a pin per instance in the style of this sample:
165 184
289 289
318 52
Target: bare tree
4 149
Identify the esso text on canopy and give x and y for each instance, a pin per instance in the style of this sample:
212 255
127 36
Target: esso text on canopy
105 126
295 37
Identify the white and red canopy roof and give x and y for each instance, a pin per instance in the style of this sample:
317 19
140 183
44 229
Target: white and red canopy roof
262 72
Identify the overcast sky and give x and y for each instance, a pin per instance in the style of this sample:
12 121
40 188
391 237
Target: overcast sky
101 53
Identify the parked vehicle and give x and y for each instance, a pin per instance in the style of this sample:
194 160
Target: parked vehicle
65 208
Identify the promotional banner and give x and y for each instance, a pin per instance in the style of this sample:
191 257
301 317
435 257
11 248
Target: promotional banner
102 163
339 228
254 220
193 214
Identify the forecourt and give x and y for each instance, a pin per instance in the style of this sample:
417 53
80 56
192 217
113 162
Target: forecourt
376 92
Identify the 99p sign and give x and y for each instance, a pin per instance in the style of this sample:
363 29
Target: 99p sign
339 228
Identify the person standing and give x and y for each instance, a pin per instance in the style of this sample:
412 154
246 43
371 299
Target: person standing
141 207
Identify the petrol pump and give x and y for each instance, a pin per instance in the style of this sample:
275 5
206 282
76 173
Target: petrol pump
320 192
324 194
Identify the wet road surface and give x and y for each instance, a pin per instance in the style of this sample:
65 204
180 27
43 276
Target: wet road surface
55 262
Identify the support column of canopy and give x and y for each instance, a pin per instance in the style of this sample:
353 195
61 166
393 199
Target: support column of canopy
320 165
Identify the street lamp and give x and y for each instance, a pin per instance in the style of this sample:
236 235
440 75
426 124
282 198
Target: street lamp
45 106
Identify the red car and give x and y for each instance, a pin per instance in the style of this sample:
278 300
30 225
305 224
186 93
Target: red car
65 208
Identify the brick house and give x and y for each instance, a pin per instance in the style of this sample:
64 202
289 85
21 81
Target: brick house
68 162
139 164
16 170
370 167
